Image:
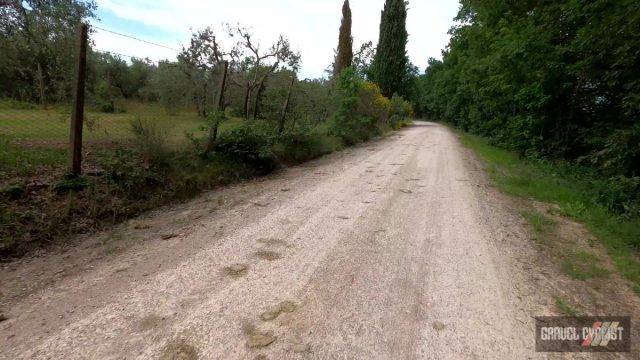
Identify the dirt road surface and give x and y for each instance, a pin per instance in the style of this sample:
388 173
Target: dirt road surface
390 250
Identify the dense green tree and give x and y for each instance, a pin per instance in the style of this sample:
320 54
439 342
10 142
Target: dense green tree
38 47
344 58
172 85
549 79
390 62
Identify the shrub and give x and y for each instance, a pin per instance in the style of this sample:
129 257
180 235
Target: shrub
349 123
13 192
372 103
248 144
151 141
621 195
125 169
399 111
299 145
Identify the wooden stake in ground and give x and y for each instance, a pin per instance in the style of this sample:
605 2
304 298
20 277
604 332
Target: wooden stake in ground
77 113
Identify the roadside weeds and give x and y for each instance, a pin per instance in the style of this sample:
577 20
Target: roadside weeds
587 246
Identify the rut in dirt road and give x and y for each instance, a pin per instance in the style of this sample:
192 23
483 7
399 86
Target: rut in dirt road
381 252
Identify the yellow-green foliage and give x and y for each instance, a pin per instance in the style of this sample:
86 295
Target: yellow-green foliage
372 102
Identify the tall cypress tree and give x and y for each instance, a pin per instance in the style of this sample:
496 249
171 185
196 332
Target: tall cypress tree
345 42
390 63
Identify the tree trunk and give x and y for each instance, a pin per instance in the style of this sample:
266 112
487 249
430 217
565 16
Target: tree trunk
222 86
203 100
256 105
213 133
247 100
41 89
285 107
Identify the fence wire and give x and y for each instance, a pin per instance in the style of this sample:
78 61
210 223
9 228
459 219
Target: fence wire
35 135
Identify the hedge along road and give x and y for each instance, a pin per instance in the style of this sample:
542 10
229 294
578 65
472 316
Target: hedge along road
388 250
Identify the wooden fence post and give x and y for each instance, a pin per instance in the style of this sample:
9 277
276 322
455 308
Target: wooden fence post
283 116
77 114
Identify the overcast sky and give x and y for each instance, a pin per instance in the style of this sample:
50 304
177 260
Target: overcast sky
311 25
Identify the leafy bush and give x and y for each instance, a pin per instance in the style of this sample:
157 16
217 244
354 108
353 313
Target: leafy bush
126 170
399 111
249 144
372 103
539 78
300 144
349 123
621 195
106 96
151 141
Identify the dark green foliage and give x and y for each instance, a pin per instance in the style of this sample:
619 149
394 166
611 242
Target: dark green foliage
548 79
38 47
348 123
400 111
249 144
344 57
620 195
390 63
299 145
126 170
13 192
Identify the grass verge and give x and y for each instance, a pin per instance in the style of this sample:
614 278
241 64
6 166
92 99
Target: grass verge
547 182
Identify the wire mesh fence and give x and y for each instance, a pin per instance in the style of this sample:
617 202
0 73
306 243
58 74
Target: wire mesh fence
35 136
127 97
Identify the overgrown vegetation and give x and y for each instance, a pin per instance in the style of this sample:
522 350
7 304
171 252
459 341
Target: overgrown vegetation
150 173
554 80
363 111
227 109
577 196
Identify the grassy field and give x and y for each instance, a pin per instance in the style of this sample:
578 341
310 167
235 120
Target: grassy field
32 137
51 126
544 181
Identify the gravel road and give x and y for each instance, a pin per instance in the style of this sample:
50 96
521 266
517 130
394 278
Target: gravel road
383 251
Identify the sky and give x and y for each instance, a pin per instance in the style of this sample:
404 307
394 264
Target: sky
311 26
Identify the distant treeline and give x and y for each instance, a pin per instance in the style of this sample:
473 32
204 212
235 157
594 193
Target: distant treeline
550 79
38 43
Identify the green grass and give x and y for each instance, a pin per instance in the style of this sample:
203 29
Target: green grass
32 137
565 308
18 160
544 182
542 225
36 126
581 265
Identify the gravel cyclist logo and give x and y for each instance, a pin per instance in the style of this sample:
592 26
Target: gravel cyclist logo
583 334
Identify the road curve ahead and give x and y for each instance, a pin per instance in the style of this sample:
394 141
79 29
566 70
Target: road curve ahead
382 251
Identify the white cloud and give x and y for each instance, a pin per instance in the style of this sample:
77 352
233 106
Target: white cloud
311 25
